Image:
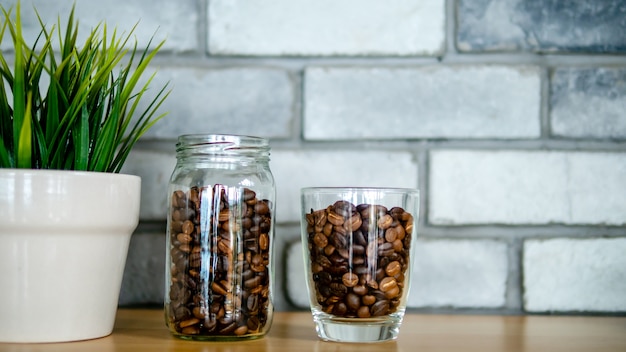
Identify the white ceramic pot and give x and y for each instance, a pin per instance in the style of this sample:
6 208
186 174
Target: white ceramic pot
64 238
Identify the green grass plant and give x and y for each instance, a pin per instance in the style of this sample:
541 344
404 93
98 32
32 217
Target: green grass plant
73 106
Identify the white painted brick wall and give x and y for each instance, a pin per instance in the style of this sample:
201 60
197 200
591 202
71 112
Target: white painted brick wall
566 275
421 102
527 187
294 170
447 273
459 273
175 21
357 76
295 286
252 101
519 25
144 273
588 102
155 169
326 27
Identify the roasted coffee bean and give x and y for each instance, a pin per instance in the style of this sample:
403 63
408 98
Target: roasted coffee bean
338 289
241 330
368 300
215 287
253 323
335 219
389 286
380 308
394 268
190 330
353 302
340 309
360 290
320 240
350 279
363 312
384 222
359 255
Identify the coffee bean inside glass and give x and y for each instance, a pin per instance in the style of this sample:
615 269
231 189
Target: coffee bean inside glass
358 246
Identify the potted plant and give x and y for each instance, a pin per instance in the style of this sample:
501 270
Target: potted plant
70 113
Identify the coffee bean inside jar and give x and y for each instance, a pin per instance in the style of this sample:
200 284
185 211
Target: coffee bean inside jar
219 273
359 256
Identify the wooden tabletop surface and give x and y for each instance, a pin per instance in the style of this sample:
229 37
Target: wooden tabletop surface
140 330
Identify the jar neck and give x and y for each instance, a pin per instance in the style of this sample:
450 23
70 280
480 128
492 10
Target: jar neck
222 147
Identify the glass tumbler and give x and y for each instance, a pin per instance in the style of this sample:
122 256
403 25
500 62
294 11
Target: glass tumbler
358 246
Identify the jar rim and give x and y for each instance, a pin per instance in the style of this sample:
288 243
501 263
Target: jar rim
335 189
222 144
202 139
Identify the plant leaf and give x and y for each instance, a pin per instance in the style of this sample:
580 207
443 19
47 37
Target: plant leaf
24 147
89 117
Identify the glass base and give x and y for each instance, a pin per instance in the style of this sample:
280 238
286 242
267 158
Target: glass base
217 338
330 328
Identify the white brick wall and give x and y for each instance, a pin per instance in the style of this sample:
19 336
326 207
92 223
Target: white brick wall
296 169
295 281
175 21
144 280
155 169
527 187
326 27
250 101
351 91
422 102
459 273
585 105
292 171
567 275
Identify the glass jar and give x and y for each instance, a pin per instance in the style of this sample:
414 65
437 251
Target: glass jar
220 230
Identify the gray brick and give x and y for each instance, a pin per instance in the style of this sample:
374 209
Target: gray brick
575 275
174 21
459 273
542 26
421 102
155 169
144 274
527 187
295 285
252 101
588 102
313 168
326 27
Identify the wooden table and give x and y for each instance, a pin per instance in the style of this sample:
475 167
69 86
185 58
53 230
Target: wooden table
144 330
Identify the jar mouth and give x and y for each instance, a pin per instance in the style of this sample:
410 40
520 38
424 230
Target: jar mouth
228 141
222 144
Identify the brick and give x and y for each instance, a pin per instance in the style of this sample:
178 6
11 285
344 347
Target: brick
573 275
144 274
527 187
155 169
459 273
294 170
460 101
326 27
295 282
174 21
249 101
588 102
540 26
